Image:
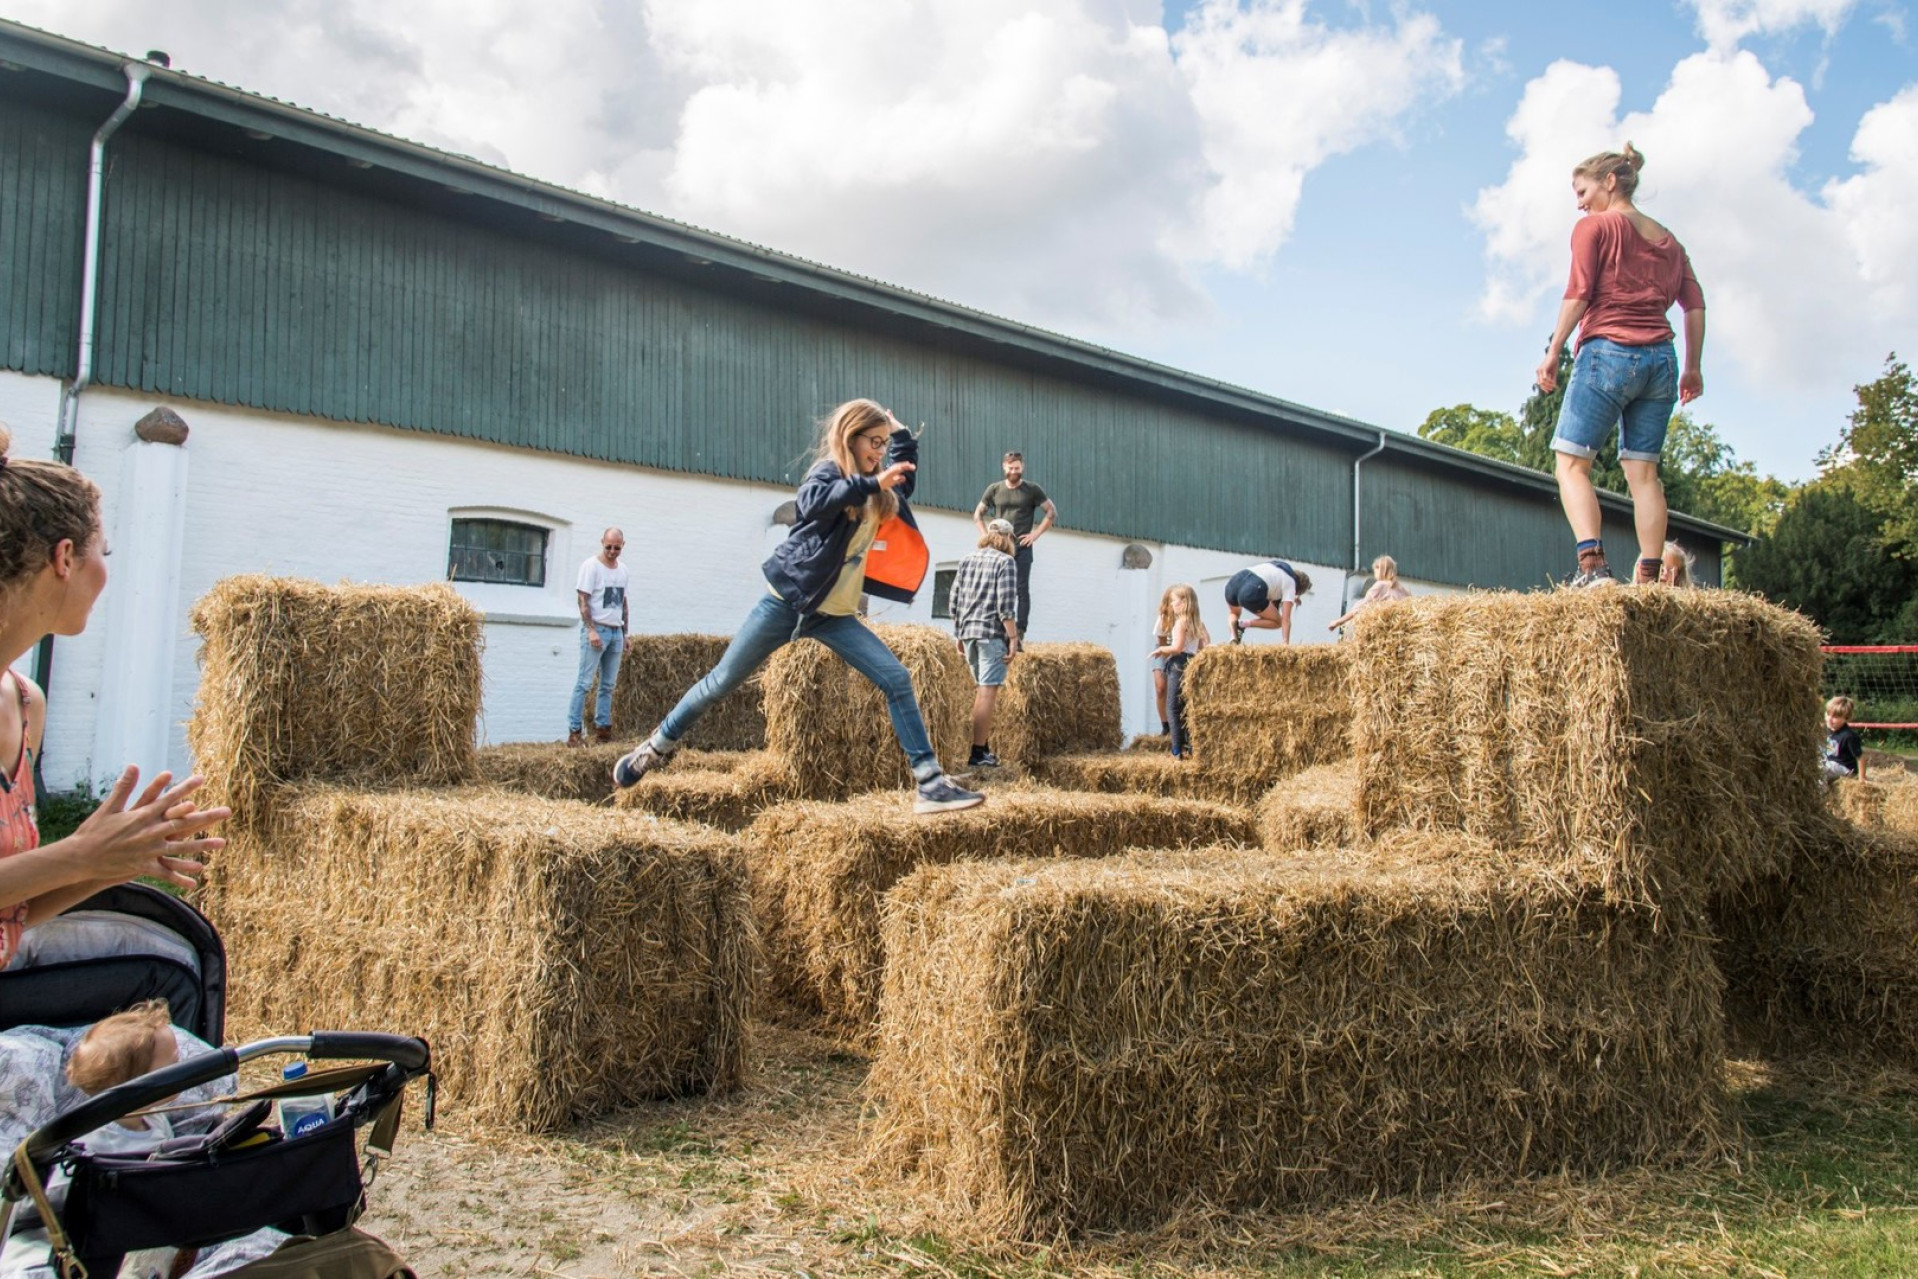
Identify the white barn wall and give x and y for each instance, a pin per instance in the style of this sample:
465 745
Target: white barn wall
275 493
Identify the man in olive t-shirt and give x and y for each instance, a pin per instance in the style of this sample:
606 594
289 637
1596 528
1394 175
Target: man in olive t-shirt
1016 501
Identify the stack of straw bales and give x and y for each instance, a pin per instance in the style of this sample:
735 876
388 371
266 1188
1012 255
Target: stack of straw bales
562 960
551 770
819 872
1615 735
1261 712
658 670
1088 1045
830 724
1314 809
727 789
1058 699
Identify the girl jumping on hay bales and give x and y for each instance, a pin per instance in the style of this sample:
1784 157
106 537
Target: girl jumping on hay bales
53 567
861 476
1188 635
1627 270
1384 589
1266 593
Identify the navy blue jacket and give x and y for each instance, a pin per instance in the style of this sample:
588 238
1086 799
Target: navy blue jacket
804 567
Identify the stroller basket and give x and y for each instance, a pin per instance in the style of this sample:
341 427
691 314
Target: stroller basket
244 1175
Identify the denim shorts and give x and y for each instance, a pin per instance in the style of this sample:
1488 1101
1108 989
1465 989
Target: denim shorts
1613 382
987 658
1248 590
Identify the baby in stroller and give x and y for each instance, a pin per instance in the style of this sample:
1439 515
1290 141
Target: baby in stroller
123 1047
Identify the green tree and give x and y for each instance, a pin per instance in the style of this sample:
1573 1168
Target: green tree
1827 557
1877 454
1482 431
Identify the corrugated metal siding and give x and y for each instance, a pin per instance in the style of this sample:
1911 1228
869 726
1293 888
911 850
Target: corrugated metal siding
43 194
226 283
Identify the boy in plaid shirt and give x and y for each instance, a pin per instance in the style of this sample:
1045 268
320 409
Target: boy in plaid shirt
985 613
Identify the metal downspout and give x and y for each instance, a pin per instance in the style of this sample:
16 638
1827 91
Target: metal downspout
67 422
1345 601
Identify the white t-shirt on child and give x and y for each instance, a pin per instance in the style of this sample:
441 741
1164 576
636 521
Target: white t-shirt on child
605 588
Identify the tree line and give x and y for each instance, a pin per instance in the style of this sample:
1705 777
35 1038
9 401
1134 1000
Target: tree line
1841 548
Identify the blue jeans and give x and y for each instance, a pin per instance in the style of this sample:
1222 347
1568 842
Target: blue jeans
771 625
604 661
1613 382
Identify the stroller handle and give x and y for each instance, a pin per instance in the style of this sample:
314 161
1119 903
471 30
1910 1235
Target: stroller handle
411 1055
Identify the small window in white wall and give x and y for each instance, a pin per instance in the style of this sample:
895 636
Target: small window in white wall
942 592
493 550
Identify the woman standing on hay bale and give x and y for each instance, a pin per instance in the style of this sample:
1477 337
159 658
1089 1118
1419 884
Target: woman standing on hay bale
861 476
1384 589
1627 270
52 568
1266 593
1188 637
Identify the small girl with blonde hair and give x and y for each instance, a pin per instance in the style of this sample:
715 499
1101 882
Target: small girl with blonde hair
1161 635
1179 619
1384 589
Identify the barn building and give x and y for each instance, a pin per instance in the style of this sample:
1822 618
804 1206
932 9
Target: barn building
400 365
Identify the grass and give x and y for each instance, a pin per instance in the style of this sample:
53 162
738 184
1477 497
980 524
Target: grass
773 1179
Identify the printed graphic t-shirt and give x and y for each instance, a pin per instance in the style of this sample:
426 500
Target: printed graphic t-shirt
843 599
1014 505
606 588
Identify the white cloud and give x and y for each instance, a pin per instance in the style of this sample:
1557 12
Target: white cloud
1064 161
1726 23
1802 290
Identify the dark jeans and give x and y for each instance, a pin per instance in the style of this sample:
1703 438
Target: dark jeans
1022 566
1175 701
85 990
772 624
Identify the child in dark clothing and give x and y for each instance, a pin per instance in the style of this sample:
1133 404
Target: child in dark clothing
1843 747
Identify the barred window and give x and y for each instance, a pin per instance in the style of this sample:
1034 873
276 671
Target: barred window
942 592
497 551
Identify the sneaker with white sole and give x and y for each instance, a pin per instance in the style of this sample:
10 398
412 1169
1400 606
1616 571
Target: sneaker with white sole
940 796
1599 576
636 763
984 759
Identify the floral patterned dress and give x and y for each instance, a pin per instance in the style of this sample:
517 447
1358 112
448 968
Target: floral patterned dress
18 833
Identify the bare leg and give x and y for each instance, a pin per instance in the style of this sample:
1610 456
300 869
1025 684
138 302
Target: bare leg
1580 499
1158 693
983 702
1648 506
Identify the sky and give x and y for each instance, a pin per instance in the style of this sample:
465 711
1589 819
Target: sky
1360 207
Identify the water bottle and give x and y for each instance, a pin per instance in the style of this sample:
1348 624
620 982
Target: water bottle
301 1115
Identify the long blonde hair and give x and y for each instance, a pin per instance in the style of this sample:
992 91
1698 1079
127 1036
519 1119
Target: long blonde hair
854 417
1163 626
1386 569
1181 599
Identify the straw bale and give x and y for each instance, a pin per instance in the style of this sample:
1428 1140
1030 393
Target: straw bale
1151 743
305 682
656 672
818 872
1058 699
555 770
1825 956
1136 772
1314 809
562 960
831 725
724 789
1654 742
1104 1044
1878 805
1260 712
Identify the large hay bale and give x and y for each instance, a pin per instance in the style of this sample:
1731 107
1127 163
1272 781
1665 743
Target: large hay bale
1826 955
819 871
305 682
562 960
1105 1044
1260 712
1654 742
1314 809
830 723
656 672
723 789
1878 805
1058 699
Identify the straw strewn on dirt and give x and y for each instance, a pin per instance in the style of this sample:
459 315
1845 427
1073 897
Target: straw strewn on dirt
658 670
819 871
723 789
1083 1045
831 725
1314 809
1058 699
301 681
1824 956
1260 712
562 960
1612 734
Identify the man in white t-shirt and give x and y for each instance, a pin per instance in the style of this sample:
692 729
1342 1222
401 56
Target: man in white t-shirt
603 637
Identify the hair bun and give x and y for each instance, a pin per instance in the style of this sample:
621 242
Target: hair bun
1634 157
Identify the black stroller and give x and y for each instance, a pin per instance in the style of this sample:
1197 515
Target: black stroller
241 1174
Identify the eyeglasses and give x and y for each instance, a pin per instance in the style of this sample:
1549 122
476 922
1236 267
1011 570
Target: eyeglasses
614 547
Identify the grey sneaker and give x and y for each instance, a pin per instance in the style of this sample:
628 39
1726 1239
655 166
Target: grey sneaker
636 763
1600 576
984 759
940 796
